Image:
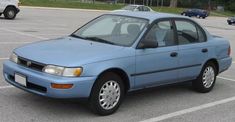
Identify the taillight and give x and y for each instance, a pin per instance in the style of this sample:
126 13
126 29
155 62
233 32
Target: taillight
229 50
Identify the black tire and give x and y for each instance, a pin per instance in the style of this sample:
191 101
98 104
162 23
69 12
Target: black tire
10 13
229 23
94 100
203 17
198 83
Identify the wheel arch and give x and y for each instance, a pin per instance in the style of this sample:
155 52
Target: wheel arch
9 7
215 62
121 73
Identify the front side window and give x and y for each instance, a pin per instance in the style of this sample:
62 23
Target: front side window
146 8
188 32
112 29
163 33
140 8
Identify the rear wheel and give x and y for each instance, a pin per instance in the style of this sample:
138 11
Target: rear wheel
10 13
107 94
206 80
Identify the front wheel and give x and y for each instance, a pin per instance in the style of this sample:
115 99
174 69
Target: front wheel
107 94
10 13
206 80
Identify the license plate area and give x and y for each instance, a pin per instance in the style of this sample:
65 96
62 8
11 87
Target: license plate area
21 79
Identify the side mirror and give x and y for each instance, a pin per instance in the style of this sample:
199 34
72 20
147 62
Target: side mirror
148 44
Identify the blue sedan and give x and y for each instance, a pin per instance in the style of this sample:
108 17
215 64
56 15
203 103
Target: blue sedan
117 53
199 13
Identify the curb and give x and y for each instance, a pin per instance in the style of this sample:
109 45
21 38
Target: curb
70 9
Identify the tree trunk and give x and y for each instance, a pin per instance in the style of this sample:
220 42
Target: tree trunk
173 3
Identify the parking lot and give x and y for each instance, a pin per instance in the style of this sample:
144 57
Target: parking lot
176 103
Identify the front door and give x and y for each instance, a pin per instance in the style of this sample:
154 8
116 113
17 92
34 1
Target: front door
155 66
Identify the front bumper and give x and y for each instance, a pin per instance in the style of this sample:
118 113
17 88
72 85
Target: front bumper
231 21
40 83
17 10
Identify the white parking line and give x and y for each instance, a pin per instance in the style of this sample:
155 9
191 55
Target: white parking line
6 87
21 33
189 110
4 58
193 109
226 78
14 42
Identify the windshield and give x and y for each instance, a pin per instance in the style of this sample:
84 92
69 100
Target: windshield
112 29
131 8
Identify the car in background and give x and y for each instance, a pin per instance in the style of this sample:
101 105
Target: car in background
231 20
9 8
135 8
199 13
136 50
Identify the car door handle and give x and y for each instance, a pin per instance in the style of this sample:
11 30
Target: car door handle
174 54
204 50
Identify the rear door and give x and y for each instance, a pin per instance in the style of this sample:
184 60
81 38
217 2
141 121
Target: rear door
193 51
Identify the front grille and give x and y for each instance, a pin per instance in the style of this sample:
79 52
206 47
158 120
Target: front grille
36 87
30 64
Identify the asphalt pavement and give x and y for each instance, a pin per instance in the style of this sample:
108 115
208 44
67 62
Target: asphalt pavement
175 103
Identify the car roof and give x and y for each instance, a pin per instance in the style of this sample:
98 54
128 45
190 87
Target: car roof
135 5
151 16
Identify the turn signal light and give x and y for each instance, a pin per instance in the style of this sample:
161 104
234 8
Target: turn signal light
61 86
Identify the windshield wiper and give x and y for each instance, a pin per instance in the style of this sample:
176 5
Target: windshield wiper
97 39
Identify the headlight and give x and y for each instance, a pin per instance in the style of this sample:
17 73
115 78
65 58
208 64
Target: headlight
14 58
62 71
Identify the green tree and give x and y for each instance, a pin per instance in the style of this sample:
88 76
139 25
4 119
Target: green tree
173 3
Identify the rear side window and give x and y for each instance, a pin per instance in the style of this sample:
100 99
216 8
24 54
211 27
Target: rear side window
188 32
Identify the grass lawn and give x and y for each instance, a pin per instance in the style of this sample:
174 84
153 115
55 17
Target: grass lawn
104 6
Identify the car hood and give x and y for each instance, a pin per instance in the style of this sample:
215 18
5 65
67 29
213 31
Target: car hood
69 52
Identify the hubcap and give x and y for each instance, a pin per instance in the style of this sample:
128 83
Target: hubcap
208 77
11 14
109 95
